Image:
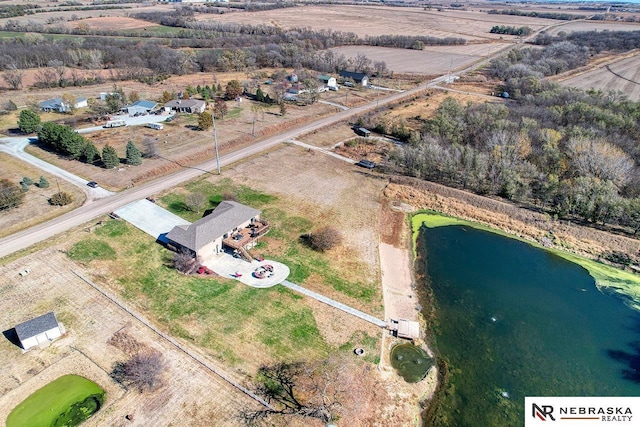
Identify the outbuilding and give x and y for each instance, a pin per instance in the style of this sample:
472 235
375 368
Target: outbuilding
359 78
141 107
38 331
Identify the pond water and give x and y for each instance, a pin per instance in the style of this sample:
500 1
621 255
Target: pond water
412 363
513 320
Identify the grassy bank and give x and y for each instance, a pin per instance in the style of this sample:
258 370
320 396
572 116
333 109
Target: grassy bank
624 283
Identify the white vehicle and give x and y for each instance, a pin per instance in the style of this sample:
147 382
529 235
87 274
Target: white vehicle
334 88
156 126
115 123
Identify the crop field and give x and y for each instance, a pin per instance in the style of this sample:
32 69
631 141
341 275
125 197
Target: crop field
576 26
430 61
118 23
380 20
623 76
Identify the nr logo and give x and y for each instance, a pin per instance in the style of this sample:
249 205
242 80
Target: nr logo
542 412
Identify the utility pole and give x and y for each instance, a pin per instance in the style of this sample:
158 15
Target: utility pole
215 141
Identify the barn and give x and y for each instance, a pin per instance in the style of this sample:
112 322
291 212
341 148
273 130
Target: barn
41 330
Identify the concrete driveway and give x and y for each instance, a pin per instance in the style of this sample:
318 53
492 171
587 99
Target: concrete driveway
150 218
226 265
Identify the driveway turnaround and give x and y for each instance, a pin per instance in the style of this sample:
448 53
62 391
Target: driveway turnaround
150 218
249 273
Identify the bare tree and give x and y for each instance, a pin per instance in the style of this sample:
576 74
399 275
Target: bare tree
46 77
150 148
184 260
324 239
299 390
143 370
195 202
13 76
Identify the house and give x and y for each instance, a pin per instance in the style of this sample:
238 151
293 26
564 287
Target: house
140 107
359 78
192 106
231 225
328 81
41 330
57 104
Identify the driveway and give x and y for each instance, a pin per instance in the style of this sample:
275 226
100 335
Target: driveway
150 218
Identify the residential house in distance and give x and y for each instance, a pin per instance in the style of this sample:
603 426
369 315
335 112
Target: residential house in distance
38 331
58 105
192 106
141 107
358 78
231 225
328 81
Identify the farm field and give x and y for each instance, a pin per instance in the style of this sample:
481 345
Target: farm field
364 21
575 26
433 60
622 75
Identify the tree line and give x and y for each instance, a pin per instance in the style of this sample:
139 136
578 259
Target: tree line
513 31
537 14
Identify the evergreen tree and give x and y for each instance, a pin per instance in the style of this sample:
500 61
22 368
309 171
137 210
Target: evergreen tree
43 183
29 121
91 154
134 156
110 158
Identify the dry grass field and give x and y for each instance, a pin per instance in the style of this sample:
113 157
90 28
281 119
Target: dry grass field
113 23
377 20
576 26
621 75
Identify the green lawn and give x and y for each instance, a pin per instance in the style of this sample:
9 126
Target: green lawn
67 401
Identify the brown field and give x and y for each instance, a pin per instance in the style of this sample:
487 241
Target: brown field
35 208
575 26
433 60
380 20
113 23
618 75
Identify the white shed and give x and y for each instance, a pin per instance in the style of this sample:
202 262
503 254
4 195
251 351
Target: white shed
41 330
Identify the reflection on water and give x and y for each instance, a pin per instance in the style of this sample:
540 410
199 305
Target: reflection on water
513 320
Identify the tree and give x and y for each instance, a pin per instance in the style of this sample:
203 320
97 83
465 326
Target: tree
134 156
13 76
233 90
220 108
195 202
325 238
69 103
184 260
91 154
110 158
301 390
61 199
205 120
150 148
10 195
29 121
283 109
143 370
43 183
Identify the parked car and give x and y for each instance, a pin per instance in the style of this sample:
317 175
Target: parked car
366 164
93 184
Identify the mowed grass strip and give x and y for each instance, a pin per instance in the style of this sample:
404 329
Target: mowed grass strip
49 405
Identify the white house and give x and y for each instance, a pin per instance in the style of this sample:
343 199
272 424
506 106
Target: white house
57 104
41 330
328 81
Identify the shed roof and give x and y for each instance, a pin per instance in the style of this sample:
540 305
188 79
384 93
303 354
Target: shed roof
150 105
36 326
408 329
357 77
224 218
184 103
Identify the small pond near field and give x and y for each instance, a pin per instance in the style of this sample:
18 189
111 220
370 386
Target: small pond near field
66 401
513 320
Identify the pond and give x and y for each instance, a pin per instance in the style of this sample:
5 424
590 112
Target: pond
512 320
411 362
67 401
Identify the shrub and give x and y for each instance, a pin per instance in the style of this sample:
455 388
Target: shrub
144 370
324 239
10 194
43 183
26 181
61 199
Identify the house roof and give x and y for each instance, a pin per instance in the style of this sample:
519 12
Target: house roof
224 218
184 103
36 326
357 77
55 103
324 78
143 103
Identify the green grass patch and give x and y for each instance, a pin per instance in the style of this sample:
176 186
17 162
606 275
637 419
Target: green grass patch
622 282
112 228
233 113
67 401
89 249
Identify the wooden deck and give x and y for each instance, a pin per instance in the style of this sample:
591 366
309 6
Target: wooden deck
247 235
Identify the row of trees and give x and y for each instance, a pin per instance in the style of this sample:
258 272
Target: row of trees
66 141
513 31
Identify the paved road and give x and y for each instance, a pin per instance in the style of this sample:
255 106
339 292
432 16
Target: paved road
333 303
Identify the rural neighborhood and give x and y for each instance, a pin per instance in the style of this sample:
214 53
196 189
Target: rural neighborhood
226 213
